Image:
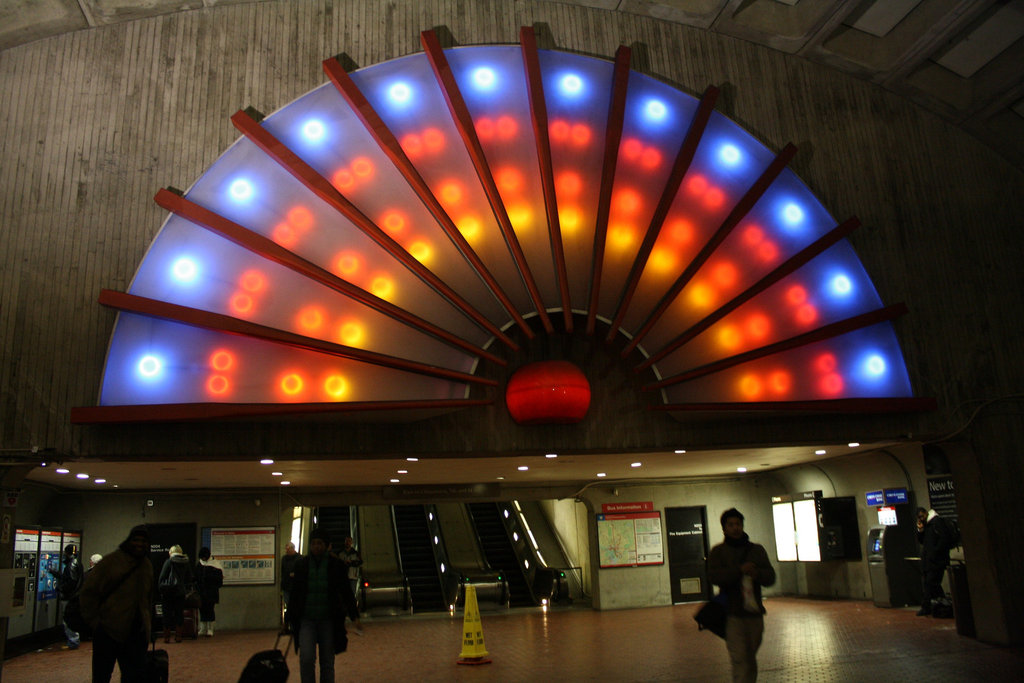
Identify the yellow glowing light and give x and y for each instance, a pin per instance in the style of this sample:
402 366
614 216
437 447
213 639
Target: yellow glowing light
301 218
362 167
729 337
521 217
221 360
662 260
780 382
702 295
509 179
393 222
311 318
351 333
347 263
621 235
291 384
421 251
336 386
252 281
569 219
382 286
451 192
750 387
470 227
241 303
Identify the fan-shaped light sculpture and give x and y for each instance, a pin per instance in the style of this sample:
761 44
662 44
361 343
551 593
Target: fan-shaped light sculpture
371 244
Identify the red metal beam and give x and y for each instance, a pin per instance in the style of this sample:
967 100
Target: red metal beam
389 144
323 189
539 117
840 405
822 333
464 123
224 323
612 138
790 266
202 412
270 250
668 195
746 203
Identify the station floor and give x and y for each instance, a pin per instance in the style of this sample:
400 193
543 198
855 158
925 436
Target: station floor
805 640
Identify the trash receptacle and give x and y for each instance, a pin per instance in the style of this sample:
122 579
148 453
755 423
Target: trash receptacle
962 612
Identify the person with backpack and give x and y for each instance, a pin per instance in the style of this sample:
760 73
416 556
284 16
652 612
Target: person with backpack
175 578
936 539
209 579
69 581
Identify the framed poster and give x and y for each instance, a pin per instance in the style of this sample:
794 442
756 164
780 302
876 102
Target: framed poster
246 555
630 540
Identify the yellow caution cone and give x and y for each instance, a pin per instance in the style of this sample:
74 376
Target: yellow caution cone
473 650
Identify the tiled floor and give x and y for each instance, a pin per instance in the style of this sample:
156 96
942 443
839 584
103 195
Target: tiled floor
805 640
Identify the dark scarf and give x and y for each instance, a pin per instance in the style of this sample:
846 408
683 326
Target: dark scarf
741 542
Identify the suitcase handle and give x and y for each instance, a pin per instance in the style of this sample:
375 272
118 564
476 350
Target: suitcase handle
287 647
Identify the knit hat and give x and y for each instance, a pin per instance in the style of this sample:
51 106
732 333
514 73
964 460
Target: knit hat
321 534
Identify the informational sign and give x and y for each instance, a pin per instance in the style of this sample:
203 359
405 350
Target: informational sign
620 508
630 539
942 496
896 496
875 498
246 554
49 564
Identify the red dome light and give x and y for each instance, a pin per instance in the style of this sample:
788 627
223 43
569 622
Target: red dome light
548 392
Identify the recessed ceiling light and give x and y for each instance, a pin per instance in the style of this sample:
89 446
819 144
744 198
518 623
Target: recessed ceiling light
499 477
413 459
286 483
522 468
635 464
741 469
276 474
403 471
394 481
680 451
62 470
820 451
82 475
99 481
266 461
601 474
551 455
852 444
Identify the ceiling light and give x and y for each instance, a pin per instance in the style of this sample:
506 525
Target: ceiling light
394 481
601 474
413 459
499 477
277 474
551 455
99 481
285 483
82 475
62 470
522 468
680 451
635 464
741 469
820 451
852 444
266 461
403 471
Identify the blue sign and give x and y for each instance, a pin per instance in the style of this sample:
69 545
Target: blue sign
895 496
875 498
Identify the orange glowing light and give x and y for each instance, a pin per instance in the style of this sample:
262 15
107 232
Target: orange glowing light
780 381
301 218
753 235
758 326
751 387
291 383
241 303
768 251
796 295
221 360
252 281
348 263
697 185
485 128
632 149
218 385
651 158
729 337
701 295
382 286
521 216
311 318
806 314
559 130
581 134
412 145
662 259
621 235
343 179
336 386
451 192
284 235
433 140
351 333
825 363
421 251
362 167
714 198
831 384
393 222
626 201
507 127
725 274
509 179
470 227
681 231
569 183
569 219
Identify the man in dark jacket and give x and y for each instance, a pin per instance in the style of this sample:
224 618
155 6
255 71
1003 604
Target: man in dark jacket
320 600
117 601
935 538
69 580
739 568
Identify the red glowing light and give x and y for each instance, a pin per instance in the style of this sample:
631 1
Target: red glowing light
780 381
697 185
559 130
753 235
348 263
241 303
796 295
831 384
825 363
343 179
433 139
768 251
548 392
485 128
681 230
581 134
311 318
507 127
509 179
412 145
758 326
252 281
218 385
221 360
569 183
725 274
806 314
626 201
393 222
284 235
714 198
651 158
632 149
451 192
362 167
301 218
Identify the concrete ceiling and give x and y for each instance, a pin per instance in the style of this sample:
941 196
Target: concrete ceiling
961 59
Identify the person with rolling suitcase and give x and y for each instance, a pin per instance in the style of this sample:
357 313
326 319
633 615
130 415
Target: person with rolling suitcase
268 666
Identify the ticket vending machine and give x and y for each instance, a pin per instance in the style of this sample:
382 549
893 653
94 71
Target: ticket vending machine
892 567
26 557
46 587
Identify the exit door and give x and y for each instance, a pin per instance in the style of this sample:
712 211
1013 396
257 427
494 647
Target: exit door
687 553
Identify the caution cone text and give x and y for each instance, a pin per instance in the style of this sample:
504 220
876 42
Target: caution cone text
473 650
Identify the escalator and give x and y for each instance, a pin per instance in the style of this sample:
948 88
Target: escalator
336 521
498 551
417 557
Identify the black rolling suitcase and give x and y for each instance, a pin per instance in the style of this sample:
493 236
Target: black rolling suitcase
157 665
268 666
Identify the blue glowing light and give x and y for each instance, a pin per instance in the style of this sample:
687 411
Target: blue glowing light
874 365
792 214
150 367
241 190
729 154
484 78
840 285
400 93
314 130
655 110
571 85
185 270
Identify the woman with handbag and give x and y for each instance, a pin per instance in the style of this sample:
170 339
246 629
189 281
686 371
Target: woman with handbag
175 580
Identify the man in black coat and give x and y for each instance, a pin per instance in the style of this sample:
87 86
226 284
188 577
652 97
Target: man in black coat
935 537
69 580
321 597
